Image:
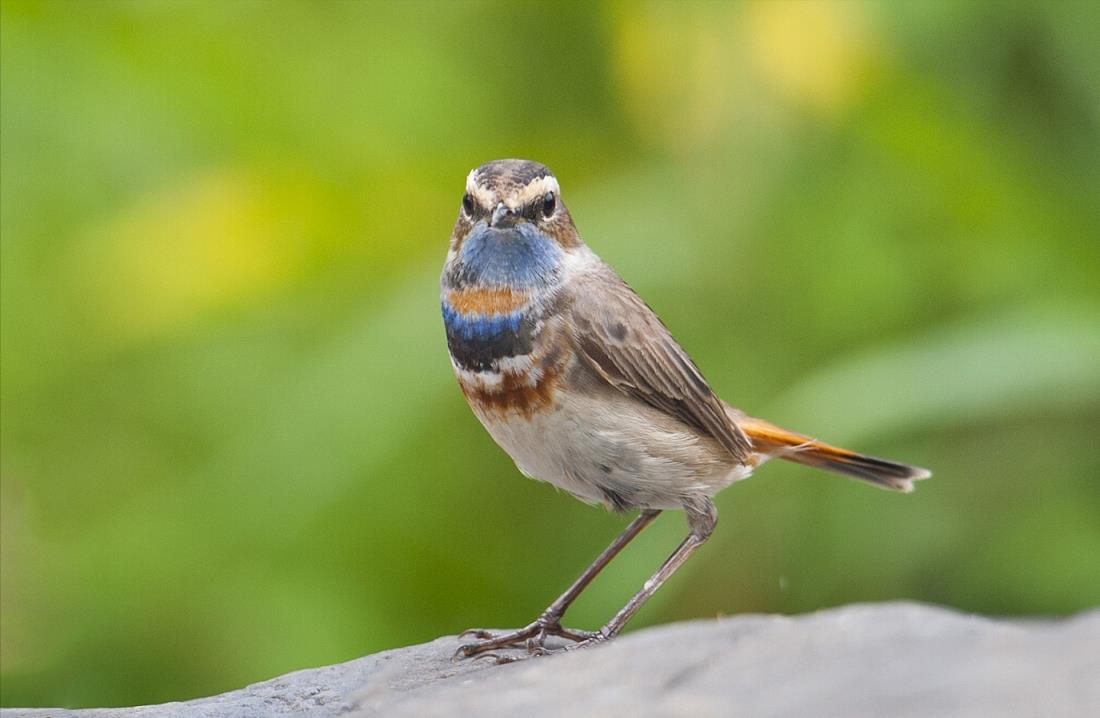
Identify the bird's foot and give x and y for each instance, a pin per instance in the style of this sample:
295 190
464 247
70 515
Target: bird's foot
593 639
533 638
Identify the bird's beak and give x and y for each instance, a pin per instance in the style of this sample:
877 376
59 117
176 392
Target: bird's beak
503 216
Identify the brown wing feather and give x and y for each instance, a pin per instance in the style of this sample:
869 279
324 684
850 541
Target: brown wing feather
627 344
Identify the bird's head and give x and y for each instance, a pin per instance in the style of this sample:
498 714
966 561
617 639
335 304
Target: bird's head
516 198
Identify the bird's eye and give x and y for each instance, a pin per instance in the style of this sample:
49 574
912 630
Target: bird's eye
468 204
549 204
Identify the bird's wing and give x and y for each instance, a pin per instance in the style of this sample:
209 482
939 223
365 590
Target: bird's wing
626 344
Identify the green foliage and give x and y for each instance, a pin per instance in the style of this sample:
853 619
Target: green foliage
232 444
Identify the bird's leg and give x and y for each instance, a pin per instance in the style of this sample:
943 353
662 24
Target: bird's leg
549 623
553 614
702 519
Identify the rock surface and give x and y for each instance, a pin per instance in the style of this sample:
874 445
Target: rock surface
862 660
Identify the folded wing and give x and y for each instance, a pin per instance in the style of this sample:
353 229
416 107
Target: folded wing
624 341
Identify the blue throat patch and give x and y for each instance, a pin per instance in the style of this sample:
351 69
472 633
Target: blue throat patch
521 257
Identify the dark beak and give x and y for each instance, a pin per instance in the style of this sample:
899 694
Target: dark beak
503 216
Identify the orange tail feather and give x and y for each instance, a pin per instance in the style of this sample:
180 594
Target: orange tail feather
774 441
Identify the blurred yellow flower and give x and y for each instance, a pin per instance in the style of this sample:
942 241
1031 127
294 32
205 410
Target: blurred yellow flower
220 240
814 53
692 74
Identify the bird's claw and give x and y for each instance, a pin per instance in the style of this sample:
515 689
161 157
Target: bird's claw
532 637
593 639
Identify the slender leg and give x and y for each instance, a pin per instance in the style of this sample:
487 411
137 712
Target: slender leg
557 608
702 520
549 623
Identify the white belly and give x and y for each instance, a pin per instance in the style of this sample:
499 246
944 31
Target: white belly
614 450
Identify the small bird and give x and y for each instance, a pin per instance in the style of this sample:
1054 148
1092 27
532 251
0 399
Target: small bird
579 381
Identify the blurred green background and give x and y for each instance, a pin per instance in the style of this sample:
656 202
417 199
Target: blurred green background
232 445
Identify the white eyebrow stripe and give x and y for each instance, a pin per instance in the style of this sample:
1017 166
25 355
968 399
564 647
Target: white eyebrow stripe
536 189
485 197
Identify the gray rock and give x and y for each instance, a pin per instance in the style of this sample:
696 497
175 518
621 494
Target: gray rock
893 660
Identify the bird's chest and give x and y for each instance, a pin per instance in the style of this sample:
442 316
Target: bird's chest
505 311
488 325
508 350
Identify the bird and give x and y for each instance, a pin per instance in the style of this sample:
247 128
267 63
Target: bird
584 387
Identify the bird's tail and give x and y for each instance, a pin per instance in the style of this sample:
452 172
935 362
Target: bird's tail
771 440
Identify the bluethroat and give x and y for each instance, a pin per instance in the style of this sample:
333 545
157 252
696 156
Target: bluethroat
578 380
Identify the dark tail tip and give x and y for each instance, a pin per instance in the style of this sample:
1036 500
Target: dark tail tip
772 440
881 472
